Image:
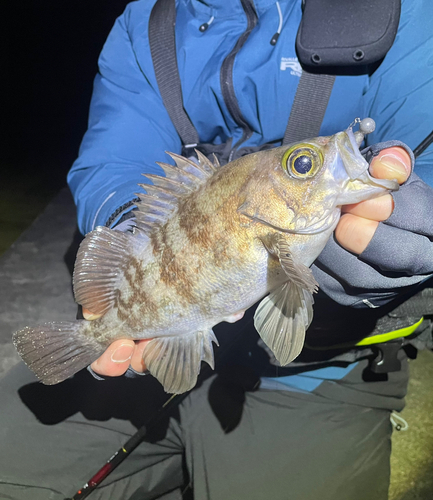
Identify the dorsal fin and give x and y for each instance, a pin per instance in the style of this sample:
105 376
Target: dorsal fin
162 197
177 174
206 163
190 166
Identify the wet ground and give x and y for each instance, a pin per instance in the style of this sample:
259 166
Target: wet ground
36 287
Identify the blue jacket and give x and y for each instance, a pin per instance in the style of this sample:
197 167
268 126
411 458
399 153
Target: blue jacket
129 128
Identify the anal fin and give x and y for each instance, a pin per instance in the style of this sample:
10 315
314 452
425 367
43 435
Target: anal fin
175 361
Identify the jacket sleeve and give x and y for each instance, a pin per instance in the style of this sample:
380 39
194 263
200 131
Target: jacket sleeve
400 98
128 130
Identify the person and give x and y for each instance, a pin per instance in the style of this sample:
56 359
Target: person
319 428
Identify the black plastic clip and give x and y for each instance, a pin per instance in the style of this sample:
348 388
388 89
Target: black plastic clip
386 359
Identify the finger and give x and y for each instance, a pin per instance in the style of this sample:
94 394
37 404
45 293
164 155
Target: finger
137 362
116 359
391 163
378 209
89 315
355 233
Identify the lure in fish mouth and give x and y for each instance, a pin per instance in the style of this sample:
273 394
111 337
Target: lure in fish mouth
209 242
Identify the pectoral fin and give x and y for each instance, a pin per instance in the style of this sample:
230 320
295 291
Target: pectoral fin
297 272
175 361
282 319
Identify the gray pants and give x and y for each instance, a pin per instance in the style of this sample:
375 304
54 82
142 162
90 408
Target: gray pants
224 442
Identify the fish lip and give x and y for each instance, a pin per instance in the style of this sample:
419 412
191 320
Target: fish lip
353 161
357 169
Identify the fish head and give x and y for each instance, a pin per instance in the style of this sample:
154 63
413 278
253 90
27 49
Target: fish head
304 185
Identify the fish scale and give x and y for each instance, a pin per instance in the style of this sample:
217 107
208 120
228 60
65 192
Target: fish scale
209 242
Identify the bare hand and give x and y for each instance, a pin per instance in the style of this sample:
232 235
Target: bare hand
119 356
359 221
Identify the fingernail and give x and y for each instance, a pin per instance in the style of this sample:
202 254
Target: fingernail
395 165
122 353
89 315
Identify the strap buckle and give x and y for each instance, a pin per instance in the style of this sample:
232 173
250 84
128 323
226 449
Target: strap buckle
386 357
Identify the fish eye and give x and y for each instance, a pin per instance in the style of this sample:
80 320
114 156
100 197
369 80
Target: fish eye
302 161
303 164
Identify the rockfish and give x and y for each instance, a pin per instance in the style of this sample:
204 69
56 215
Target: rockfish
209 242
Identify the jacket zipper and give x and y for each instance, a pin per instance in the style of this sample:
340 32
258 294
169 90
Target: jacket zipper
226 77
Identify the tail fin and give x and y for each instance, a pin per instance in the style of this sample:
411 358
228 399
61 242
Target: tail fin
56 351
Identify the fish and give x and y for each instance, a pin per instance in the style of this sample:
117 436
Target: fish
208 242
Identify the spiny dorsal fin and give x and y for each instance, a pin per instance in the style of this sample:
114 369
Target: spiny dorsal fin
205 162
216 161
102 255
177 188
176 174
162 196
197 169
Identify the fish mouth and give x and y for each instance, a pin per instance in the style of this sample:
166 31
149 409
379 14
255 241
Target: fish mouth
354 163
304 225
352 171
315 225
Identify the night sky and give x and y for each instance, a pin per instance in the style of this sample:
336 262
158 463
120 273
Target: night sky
49 60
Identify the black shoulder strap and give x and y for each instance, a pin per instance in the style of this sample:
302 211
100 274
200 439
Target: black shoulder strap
309 106
162 43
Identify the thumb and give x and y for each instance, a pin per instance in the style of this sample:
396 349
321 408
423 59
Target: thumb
89 315
116 359
392 163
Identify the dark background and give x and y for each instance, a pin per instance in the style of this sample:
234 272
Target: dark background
49 52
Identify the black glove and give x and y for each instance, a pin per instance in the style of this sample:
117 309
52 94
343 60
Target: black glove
399 256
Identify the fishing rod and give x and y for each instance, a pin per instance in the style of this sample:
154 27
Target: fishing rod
122 453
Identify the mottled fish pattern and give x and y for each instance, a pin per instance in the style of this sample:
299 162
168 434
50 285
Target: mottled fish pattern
209 242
